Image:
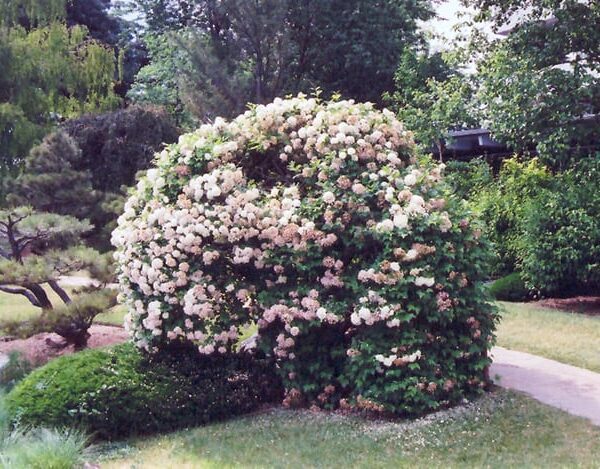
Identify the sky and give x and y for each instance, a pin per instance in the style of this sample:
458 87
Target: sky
449 14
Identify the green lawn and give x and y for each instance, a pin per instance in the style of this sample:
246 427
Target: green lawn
502 429
570 338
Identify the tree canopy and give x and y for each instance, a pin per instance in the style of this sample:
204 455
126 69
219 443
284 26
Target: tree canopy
49 72
242 52
541 84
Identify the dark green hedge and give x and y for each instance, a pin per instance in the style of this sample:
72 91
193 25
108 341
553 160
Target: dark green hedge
510 288
119 392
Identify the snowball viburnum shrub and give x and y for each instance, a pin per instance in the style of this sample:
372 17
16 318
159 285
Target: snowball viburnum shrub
314 222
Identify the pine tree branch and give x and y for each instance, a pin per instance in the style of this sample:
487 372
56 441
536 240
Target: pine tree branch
22 291
59 291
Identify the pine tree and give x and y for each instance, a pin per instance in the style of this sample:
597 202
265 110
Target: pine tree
51 182
36 249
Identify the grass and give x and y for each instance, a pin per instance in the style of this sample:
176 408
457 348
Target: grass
570 338
502 429
43 448
17 307
39 448
113 316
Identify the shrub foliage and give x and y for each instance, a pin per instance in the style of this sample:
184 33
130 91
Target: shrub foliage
119 392
545 225
510 288
314 221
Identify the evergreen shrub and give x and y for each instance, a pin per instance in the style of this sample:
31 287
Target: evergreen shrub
119 392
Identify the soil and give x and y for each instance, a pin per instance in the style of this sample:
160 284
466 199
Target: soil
589 305
41 348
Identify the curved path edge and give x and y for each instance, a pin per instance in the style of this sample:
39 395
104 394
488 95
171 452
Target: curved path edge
569 388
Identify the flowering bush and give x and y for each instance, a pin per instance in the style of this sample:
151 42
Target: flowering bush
315 222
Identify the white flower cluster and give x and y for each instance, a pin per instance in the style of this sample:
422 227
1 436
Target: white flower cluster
394 359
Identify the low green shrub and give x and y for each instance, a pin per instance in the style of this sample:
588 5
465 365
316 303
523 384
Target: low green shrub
468 178
120 391
509 288
502 205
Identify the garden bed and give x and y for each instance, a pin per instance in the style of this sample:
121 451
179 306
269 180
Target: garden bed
41 348
589 305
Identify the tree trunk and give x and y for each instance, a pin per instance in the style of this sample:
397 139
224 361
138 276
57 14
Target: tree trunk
40 295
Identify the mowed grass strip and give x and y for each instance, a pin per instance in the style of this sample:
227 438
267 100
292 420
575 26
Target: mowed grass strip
501 429
571 338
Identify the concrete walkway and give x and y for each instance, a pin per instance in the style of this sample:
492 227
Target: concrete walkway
572 389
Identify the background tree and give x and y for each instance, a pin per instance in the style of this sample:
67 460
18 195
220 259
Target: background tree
541 84
84 169
114 147
31 13
49 73
162 81
50 181
253 51
432 98
355 46
95 16
104 24
38 248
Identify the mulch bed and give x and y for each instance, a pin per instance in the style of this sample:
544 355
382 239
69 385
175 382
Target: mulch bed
589 305
41 348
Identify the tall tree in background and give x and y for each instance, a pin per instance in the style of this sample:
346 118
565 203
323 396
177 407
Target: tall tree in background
114 147
243 51
162 81
83 169
94 15
105 25
432 97
541 84
49 72
53 180
355 46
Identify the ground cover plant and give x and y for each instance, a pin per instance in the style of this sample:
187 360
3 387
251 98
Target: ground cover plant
314 221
